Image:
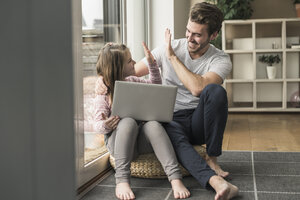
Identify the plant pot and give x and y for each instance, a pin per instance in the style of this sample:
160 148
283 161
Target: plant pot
271 72
297 6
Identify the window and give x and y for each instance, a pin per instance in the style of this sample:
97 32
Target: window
101 23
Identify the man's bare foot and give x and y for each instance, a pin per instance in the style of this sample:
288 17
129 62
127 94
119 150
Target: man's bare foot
212 162
179 190
224 190
124 192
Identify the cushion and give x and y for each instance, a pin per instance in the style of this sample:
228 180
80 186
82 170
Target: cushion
148 166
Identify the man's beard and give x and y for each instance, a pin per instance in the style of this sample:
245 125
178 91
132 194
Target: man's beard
200 46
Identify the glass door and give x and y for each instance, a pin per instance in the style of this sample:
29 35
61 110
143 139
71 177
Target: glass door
101 23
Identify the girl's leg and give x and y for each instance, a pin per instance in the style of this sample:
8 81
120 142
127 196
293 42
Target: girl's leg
122 145
125 148
153 132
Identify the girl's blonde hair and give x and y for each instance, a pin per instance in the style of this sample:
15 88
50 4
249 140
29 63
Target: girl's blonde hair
110 65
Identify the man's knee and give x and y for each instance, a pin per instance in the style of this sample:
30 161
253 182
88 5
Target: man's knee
176 133
215 89
171 127
216 93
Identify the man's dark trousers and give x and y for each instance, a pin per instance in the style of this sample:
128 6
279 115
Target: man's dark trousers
202 125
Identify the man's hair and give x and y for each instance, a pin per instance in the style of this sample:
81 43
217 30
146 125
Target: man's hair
110 64
206 13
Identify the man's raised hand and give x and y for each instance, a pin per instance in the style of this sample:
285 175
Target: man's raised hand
169 49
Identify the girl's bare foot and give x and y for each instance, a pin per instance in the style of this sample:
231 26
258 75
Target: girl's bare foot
224 190
212 162
179 190
124 192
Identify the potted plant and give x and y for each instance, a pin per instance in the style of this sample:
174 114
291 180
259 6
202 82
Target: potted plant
270 60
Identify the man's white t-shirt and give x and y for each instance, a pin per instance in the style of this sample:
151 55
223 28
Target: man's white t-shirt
214 60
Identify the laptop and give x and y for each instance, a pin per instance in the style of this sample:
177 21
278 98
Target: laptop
145 102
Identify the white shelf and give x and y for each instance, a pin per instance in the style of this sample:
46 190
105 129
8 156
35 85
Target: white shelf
241 109
268 80
268 50
292 50
238 81
247 87
293 80
238 51
239 22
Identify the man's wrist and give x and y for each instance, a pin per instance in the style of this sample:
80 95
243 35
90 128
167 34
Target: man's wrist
173 58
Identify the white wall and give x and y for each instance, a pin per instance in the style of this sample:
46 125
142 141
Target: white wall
181 15
36 104
263 9
161 17
135 27
196 1
172 14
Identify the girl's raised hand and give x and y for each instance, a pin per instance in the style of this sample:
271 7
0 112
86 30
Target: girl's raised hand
148 54
110 123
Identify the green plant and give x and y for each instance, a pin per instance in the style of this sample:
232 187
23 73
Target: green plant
235 9
232 9
296 1
270 59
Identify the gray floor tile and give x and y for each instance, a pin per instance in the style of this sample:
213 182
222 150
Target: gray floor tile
243 182
237 167
199 194
234 156
277 168
157 183
244 196
278 183
277 156
108 193
191 183
209 194
240 168
146 188
139 182
276 196
109 180
100 193
150 194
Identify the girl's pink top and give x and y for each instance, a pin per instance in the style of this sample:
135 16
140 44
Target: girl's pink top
101 102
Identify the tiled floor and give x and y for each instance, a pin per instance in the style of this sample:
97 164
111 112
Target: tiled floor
259 176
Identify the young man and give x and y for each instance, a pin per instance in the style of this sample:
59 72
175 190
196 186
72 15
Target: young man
197 68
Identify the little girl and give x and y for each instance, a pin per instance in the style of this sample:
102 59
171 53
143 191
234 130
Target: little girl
126 138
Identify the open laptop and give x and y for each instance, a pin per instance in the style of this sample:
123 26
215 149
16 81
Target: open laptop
146 102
